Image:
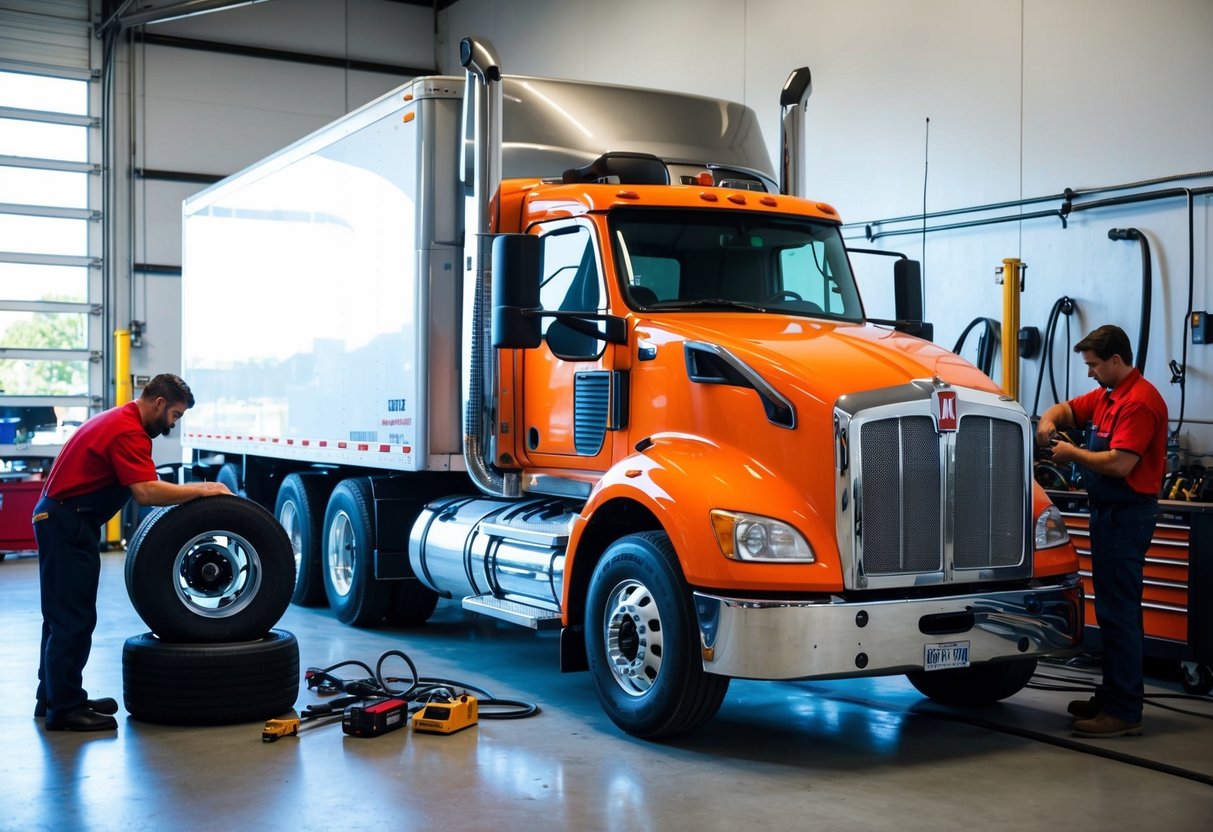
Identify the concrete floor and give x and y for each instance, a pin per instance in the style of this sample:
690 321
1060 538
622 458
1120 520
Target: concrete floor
866 754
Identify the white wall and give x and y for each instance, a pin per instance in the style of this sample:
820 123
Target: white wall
1025 98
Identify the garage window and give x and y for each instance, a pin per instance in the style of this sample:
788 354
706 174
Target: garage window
46 239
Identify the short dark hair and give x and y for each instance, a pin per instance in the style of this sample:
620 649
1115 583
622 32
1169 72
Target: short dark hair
1107 341
171 388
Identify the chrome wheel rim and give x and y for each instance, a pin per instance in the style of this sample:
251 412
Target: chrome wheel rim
342 553
633 636
216 574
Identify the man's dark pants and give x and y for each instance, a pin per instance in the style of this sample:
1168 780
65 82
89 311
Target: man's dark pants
1120 536
69 568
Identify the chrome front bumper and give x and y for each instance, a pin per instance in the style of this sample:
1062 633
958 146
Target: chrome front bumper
766 639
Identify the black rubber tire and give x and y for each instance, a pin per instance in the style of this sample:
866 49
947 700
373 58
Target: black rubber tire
211 570
348 555
300 511
980 684
412 603
639 578
229 475
210 684
1198 683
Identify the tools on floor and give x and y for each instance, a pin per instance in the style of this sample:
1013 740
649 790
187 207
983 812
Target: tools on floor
371 707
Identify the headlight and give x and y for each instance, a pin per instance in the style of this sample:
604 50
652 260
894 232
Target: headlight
1050 529
755 538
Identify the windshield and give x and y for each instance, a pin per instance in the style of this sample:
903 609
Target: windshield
752 262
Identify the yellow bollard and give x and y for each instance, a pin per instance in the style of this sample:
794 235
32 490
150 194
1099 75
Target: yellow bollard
1012 270
123 393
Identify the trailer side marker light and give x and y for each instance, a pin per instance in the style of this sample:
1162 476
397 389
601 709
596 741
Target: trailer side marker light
407 117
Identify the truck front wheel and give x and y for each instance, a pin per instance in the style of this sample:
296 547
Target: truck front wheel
980 684
642 642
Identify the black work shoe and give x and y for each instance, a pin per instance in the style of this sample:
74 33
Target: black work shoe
106 705
1084 708
83 719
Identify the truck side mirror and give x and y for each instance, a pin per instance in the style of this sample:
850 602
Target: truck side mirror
516 292
907 298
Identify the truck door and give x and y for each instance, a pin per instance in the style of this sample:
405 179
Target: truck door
567 380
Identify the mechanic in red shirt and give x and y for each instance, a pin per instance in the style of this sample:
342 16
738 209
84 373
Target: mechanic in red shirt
1123 467
106 462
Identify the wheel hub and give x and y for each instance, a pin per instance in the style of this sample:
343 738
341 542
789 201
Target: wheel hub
207 570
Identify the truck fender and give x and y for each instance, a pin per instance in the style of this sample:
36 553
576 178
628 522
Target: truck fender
680 478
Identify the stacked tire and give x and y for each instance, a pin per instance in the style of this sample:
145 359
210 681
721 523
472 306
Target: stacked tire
210 578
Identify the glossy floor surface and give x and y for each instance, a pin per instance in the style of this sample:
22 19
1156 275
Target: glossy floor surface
856 755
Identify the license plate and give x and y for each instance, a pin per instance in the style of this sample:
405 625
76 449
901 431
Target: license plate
946 655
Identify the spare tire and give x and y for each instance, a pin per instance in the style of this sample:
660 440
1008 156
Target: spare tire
210 684
211 570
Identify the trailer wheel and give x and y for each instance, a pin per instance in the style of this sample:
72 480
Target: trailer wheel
229 475
977 685
300 512
210 684
412 603
349 556
642 641
213 569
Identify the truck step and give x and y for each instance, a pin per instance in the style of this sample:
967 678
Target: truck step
537 618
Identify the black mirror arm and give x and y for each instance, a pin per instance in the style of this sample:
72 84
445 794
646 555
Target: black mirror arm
585 323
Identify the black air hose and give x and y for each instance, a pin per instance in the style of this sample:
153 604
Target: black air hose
1064 305
986 342
1147 281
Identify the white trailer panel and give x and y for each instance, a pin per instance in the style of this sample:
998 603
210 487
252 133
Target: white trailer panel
303 279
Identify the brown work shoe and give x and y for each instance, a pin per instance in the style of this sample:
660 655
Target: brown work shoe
1084 708
1105 725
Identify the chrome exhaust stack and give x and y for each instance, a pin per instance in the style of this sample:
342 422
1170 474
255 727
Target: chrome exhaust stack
793 102
481 171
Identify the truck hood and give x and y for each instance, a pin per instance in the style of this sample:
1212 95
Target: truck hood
825 359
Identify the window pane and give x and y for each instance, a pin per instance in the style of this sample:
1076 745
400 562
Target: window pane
26 186
36 92
43 235
39 377
39 140
43 330
23 282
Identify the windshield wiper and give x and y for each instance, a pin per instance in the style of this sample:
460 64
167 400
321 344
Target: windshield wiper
717 302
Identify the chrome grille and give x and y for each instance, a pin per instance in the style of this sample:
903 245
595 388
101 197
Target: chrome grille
988 517
902 522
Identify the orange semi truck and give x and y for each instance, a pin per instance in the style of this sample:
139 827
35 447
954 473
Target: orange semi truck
569 355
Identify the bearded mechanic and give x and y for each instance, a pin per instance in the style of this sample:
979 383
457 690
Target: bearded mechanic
105 463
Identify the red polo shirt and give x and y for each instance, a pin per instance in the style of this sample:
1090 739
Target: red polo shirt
111 448
1130 417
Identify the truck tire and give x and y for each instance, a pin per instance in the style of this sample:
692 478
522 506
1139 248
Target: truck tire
300 512
211 570
412 603
355 595
980 684
642 642
210 684
229 475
